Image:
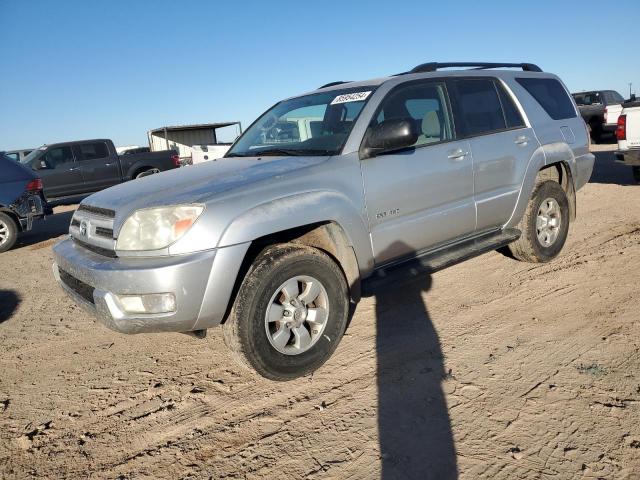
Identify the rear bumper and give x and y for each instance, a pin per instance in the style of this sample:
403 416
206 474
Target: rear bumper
201 283
628 157
28 208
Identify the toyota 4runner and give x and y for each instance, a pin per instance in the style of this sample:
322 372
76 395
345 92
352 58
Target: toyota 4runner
369 182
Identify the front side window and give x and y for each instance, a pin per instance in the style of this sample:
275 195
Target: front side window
478 106
57 157
92 151
316 124
423 103
551 96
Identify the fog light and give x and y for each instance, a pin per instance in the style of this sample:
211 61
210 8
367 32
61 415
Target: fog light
148 303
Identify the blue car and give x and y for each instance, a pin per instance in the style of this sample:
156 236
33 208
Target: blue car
21 201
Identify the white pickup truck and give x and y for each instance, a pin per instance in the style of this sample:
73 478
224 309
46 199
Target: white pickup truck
628 135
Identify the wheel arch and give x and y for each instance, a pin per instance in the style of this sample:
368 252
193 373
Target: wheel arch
550 162
11 214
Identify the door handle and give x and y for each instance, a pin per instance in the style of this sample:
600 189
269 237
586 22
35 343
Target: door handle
457 154
109 164
73 169
521 140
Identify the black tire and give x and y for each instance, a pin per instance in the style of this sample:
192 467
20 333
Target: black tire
244 331
8 232
528 247
636 174
595 130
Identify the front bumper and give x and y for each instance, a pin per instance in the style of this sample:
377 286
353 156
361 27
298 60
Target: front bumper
629 157
201 282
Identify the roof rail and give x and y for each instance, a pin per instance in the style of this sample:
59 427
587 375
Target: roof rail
433 66
332 84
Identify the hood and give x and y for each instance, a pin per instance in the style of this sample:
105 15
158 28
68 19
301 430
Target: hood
198 183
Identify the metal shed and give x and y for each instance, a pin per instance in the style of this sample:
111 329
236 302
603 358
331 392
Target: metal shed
183 138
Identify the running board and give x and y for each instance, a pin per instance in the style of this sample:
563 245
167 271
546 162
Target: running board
433 261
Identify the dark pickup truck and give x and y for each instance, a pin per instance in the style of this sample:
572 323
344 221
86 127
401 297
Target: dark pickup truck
600 110
76 168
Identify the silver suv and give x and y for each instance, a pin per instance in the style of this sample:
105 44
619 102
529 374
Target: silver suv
326 197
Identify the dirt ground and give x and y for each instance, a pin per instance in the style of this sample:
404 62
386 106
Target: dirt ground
490 369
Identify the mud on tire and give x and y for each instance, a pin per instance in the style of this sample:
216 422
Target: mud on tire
250 336
534 246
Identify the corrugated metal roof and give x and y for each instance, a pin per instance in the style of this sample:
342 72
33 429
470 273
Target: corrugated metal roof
198 126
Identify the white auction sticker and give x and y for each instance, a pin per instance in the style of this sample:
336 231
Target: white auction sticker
351 97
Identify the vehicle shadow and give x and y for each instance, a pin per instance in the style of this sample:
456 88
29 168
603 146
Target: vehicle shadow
9 302
44 229
414 428
607 170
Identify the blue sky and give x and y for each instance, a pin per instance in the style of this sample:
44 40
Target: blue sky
83 69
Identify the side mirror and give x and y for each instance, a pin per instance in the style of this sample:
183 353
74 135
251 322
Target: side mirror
390 135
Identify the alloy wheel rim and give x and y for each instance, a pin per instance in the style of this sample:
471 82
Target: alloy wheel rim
297 315
548 222
4 232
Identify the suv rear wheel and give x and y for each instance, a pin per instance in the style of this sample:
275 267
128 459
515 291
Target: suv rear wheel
290 312
544 226
8 232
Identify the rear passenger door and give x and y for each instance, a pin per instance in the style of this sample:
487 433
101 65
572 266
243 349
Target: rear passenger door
99 169
501 144
422 196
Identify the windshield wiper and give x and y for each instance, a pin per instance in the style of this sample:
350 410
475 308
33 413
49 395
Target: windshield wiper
285 152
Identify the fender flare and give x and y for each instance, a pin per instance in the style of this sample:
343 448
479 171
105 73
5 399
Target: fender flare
300 210
547 155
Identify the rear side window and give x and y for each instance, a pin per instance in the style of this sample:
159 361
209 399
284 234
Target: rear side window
551 96
511 113
92 151
478 107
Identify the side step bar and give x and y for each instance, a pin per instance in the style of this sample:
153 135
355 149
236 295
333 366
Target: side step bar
439 259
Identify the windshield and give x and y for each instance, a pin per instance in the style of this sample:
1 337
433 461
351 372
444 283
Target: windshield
29 158
316 124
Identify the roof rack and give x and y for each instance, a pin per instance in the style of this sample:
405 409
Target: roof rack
333 84
433 66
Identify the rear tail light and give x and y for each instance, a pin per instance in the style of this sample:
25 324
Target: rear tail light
176 160
34 185
606 115
621 129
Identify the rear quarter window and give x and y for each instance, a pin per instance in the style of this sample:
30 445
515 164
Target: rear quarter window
551 96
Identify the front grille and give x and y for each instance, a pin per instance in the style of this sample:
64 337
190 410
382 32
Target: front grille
104 232
78 286
97 210
95 249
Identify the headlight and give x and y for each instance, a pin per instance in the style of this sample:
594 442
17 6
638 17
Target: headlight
154 228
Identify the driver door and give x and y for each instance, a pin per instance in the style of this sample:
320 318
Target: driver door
420 197
59 173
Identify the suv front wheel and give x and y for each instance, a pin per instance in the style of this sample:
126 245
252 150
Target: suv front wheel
544 226
290 312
